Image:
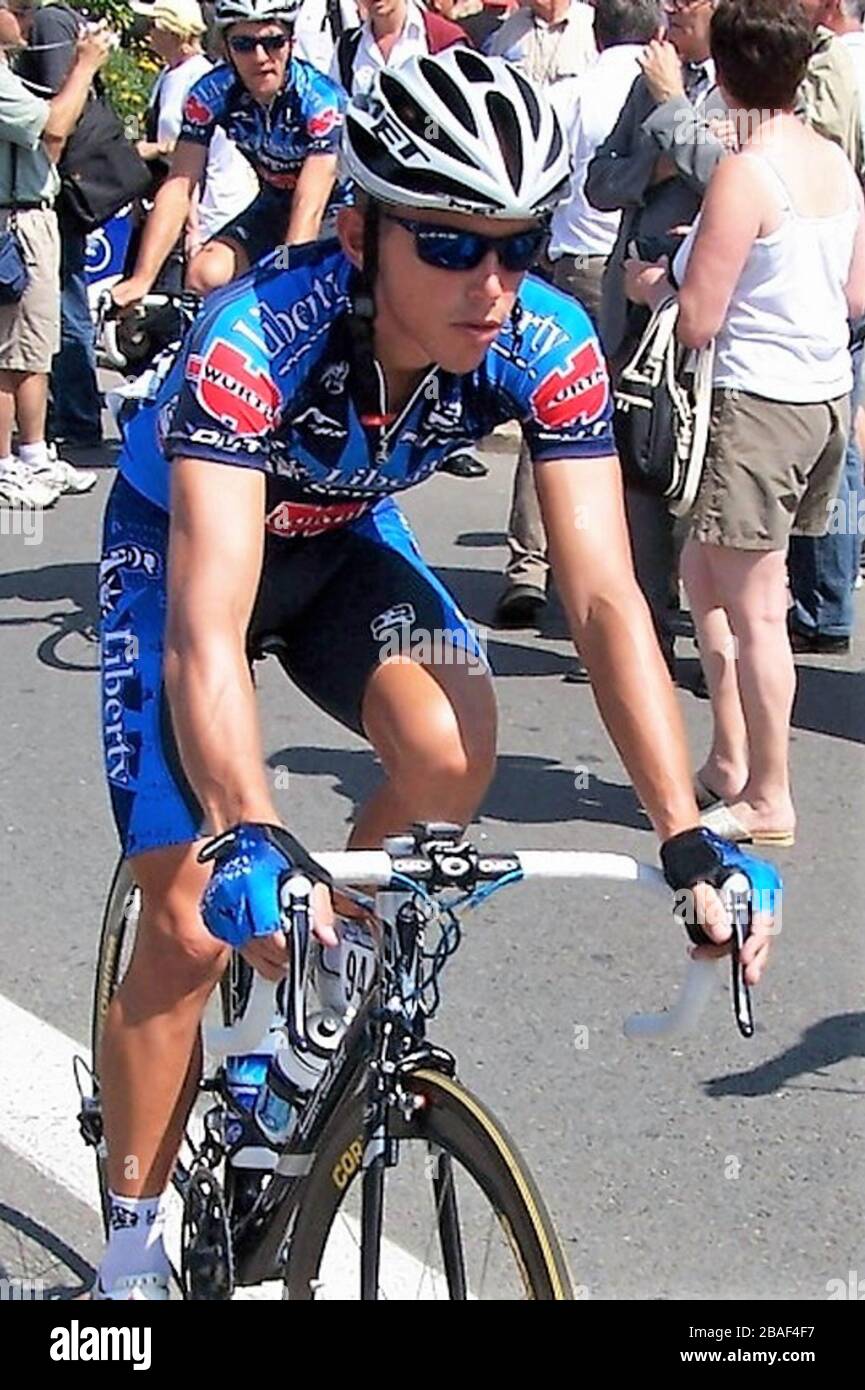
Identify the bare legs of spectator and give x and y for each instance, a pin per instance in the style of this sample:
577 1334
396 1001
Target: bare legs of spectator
23 395
739 603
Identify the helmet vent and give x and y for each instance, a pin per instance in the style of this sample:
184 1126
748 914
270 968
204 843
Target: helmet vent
449 94
555 146
531 102
508 135
472 67
419 122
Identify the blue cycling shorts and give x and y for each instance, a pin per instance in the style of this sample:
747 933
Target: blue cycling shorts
331 607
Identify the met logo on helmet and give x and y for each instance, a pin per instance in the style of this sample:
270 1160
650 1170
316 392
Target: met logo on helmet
390 134
574 392
232 390
196 111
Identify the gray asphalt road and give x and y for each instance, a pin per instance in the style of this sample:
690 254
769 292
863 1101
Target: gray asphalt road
714 1168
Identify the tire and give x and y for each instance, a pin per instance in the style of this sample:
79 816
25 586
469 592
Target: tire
454 1123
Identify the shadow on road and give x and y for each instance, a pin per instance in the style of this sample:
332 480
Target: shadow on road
74 583
831 702
831 1040
41 1256
526 790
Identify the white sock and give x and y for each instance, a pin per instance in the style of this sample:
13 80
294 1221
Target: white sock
136 1229
34 455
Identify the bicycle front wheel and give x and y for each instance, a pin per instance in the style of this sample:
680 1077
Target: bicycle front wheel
463 1218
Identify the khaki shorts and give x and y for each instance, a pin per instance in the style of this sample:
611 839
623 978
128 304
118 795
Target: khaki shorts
30 329
772 468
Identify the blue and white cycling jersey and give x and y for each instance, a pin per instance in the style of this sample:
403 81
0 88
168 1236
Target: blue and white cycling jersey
304 118
264 381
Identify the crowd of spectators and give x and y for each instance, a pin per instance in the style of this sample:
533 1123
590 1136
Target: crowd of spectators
697 168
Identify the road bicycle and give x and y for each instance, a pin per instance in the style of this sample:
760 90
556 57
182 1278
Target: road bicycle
397 1182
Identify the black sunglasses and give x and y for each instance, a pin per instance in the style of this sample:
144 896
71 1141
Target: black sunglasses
246 43
449 248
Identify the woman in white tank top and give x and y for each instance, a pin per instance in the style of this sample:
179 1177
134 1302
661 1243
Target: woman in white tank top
772 270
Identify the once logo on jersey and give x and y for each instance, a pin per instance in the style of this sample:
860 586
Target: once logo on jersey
575 392
323 122
196 111
230 388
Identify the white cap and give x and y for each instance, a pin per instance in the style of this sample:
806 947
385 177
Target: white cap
177 16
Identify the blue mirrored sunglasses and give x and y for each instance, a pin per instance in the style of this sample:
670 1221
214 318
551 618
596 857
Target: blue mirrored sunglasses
449 248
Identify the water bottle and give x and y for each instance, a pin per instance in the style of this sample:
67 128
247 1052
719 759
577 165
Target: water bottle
292 1076
245 1073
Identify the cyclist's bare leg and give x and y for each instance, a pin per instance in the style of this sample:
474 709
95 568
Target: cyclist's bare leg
151 1053
434 729
215 265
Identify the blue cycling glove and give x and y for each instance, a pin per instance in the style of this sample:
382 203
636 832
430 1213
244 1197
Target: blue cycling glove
241 900
699 856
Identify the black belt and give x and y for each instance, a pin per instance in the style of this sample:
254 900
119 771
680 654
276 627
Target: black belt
25 207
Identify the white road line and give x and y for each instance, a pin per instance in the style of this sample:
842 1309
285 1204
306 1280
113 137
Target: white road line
38 1123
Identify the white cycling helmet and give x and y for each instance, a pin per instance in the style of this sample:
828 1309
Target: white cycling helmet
457 131
228 12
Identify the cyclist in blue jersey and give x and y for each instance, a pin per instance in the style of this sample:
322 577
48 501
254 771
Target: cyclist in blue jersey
255 509
283 115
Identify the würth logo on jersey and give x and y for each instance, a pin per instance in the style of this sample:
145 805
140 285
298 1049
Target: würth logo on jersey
323 122
238 394
196 111
574 393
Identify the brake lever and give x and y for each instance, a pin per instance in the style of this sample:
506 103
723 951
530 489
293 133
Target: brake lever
737 896
295 901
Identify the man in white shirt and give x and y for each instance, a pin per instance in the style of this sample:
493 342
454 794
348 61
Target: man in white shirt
393 31
549 40
844 18
581 237
319 25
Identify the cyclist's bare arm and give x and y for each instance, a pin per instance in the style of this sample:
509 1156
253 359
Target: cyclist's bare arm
214 565
166 221
311 193
583 510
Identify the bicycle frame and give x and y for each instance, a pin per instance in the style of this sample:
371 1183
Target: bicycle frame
386 1039
383 1031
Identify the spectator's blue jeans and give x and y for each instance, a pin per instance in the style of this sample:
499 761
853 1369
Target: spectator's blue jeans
823 569
76 407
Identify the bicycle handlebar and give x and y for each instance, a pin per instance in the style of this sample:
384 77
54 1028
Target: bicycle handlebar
378 868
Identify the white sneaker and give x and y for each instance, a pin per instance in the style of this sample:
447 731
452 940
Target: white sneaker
63 475
19 487
137 1287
